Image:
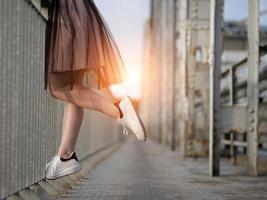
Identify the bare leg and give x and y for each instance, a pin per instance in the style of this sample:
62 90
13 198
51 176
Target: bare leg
86 98
73 116
83 97
75 100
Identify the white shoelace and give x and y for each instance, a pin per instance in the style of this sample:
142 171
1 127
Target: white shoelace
125 131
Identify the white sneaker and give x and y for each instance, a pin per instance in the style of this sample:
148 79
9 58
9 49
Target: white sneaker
131 120
57 167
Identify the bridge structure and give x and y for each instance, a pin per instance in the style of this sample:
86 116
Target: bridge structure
207 78
204 105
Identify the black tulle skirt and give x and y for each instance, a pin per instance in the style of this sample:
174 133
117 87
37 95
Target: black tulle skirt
78 38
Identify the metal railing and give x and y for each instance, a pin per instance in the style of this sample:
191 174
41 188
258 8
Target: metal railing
191 106
234 97
30 120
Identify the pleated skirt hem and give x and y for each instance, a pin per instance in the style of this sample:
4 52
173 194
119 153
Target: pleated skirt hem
77 35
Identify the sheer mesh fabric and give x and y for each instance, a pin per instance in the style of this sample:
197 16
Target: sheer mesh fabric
79 40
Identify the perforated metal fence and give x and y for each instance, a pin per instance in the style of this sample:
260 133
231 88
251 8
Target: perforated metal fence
30 119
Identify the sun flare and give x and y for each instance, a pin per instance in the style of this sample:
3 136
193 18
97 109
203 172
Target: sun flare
131 87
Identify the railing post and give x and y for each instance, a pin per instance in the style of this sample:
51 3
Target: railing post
174 121
215 75
253 86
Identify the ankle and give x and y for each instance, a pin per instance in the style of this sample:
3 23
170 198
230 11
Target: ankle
65 154
119 113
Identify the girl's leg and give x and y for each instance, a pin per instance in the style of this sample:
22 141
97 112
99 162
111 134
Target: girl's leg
73 116
75 100
72 120
81 96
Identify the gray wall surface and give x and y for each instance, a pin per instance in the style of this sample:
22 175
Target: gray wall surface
30 119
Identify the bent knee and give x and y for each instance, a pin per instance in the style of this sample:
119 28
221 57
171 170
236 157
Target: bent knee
53 93
60 91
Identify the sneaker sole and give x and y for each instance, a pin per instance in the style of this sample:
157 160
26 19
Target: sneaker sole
137 118
143 127
64 172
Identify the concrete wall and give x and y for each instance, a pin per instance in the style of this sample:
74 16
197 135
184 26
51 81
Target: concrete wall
31 120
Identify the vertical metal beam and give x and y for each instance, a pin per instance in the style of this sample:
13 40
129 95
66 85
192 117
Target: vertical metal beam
174 76
231 86
182 69
253 86
215 75
158 45
191 71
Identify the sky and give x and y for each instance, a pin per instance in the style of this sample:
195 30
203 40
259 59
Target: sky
126 19
238 10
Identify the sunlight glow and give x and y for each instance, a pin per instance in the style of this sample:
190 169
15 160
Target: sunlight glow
131 87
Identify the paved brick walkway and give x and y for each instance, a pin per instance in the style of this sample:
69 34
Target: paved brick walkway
140 171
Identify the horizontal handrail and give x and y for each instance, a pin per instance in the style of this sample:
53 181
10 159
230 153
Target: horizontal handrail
41 10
